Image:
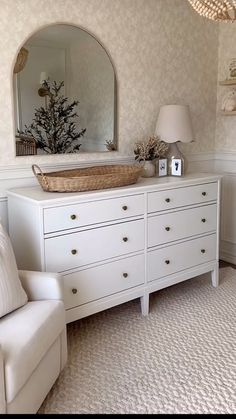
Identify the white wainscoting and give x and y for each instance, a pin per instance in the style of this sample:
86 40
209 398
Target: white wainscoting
224 163
3 212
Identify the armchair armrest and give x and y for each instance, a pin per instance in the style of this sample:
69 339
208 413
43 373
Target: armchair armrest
42 285
2 385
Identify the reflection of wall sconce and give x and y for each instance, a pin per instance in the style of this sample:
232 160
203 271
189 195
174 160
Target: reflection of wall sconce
43 77
43 90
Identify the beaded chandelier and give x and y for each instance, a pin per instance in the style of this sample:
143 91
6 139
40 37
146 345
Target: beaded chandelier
221 10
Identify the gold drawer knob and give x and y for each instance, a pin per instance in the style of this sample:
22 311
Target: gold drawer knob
204 193
167 261
125 275
125 239
73 251
74 290
203 220
167 199
73 216
203 250
125 207
167 228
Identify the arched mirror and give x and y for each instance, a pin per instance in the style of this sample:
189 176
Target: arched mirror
64 94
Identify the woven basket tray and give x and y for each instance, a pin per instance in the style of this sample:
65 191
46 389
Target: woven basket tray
87 179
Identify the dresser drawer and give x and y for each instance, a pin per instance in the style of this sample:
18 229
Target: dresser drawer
165 228
98 282
179 197
77 249
87 213
178 257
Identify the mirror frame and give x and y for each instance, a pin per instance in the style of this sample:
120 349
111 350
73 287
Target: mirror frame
116 113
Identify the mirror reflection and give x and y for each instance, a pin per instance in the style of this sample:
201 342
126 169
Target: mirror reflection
64 94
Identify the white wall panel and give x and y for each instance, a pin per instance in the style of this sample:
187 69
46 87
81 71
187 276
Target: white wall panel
3 212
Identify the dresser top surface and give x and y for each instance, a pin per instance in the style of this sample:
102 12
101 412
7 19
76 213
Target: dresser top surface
36 195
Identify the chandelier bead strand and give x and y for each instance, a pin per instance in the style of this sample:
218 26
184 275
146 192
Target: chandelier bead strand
219 10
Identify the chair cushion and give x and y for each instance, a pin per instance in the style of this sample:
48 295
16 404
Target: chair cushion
26 335
12 294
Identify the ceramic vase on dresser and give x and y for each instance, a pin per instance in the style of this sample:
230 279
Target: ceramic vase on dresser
149 168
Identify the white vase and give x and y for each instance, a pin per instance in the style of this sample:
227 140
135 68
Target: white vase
149 169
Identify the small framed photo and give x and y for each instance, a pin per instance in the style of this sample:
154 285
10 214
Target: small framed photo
161 167
176 167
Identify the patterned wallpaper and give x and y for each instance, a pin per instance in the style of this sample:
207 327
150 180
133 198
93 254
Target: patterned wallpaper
162 50
225 125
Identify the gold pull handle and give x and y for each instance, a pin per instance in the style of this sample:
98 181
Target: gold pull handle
203 250
125 239
167 228
73 216
203 220
204 193
73 251
167 199
125 274
167 262
74 290
125 207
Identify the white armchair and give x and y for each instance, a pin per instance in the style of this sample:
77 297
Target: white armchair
33 346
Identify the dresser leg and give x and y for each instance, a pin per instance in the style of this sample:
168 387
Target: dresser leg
215 277
144 304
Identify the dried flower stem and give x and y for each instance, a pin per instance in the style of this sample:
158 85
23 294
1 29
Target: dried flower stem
152 149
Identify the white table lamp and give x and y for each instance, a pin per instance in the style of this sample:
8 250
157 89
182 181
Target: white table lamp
173 125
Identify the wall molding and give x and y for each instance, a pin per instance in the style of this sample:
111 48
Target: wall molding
24 171
225 163
201 156
225 155
228 251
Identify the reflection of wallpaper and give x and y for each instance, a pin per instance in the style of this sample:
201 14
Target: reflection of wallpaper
162 50
40 58
225 125
93 84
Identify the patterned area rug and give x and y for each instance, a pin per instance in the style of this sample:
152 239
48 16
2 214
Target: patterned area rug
179 359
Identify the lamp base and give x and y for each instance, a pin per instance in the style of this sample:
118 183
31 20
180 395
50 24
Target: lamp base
176 161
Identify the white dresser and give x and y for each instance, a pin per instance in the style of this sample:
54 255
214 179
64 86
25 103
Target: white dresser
115 245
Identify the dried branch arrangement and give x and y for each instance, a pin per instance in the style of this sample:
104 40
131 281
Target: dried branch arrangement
55 128
152 149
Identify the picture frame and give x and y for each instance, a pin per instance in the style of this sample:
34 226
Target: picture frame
176 167
162 167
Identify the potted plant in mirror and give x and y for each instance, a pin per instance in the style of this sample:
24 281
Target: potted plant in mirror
147 152
55 128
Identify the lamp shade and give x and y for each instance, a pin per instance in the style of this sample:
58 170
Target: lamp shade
174 124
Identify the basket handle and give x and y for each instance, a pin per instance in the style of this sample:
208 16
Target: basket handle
44 178
34 168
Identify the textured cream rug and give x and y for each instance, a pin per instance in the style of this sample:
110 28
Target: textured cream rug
179 359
